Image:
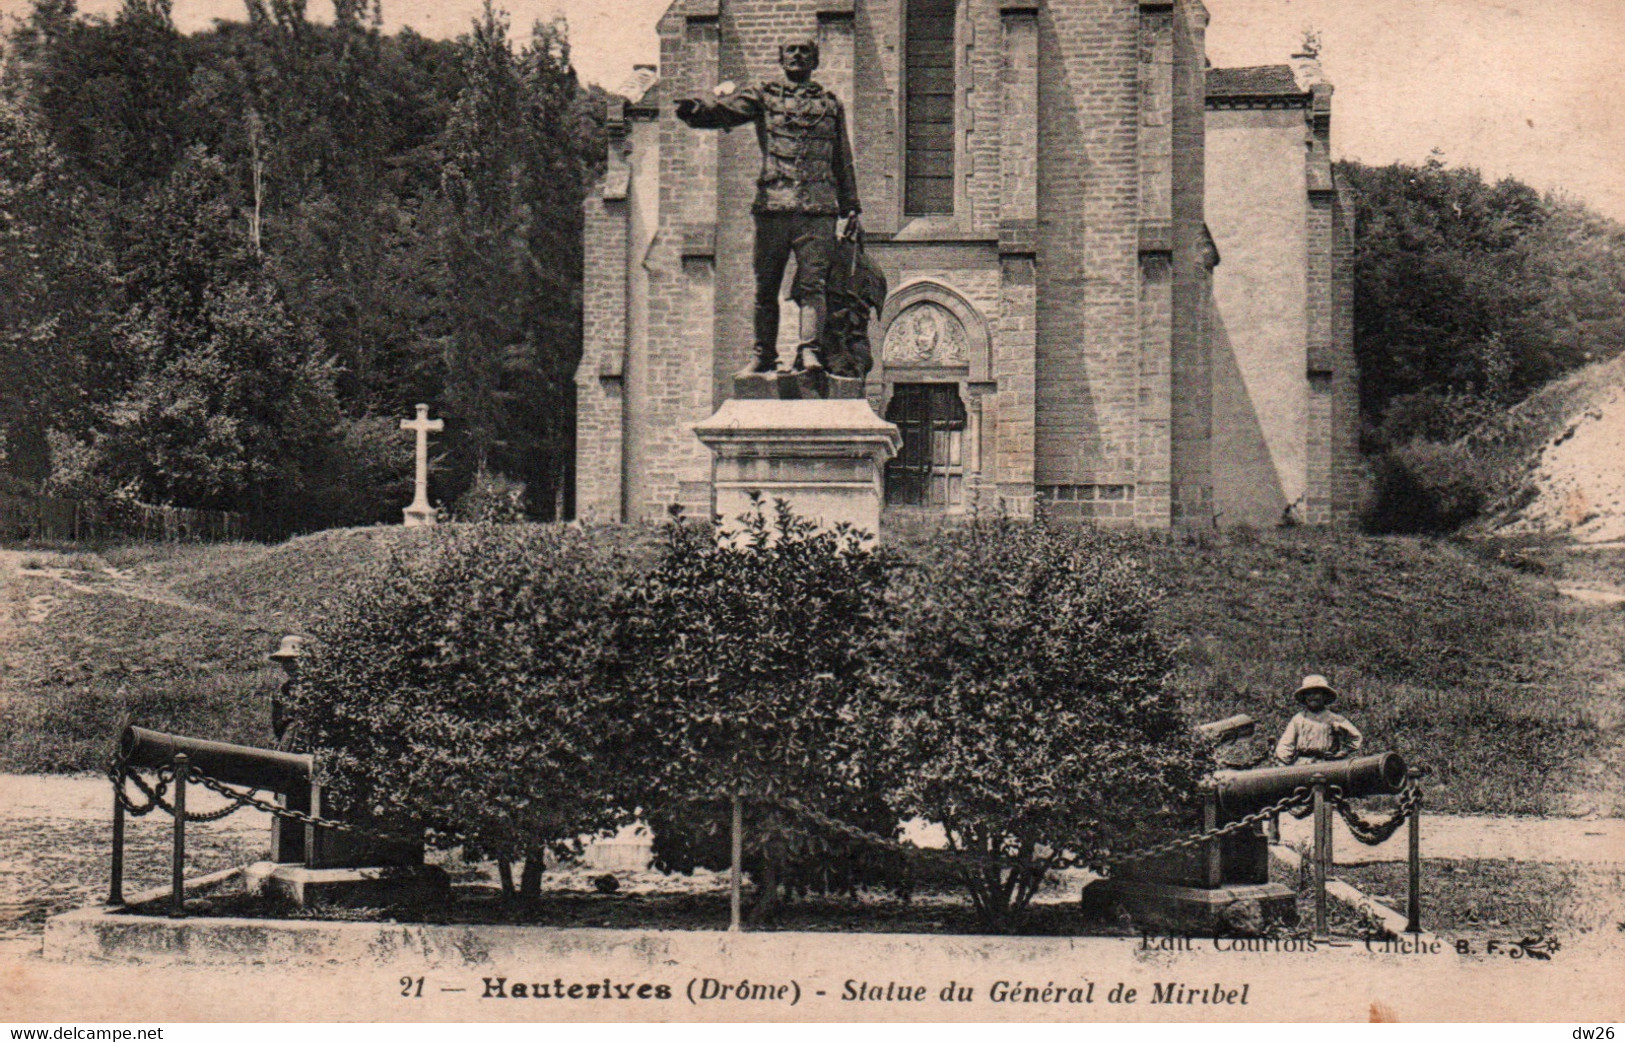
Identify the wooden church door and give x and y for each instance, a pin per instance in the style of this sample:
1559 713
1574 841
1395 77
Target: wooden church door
929 470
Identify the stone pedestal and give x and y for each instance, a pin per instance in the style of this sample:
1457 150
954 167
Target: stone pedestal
304 887
1234 909
419 515
826 458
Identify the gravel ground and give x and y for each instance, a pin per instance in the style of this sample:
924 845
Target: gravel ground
55 835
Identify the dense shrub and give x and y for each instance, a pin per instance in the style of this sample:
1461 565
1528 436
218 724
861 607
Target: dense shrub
492 497
745 661
455 691
513 687
1428 486
1027 708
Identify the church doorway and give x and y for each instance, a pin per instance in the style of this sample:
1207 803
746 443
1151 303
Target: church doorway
929 470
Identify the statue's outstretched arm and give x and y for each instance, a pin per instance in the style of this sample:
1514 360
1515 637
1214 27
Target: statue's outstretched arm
724 113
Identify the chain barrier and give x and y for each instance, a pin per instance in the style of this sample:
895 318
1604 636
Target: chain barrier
1369 832
118 775
118 770
970 859
1297 797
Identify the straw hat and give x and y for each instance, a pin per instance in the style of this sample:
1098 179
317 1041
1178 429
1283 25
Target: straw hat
1315 682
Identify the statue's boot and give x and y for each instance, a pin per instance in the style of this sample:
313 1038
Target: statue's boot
812 330
767 335
767 360
807 359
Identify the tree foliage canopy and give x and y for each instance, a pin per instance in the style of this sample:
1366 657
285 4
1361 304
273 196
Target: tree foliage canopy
1471 294
512 687
373 220
1028 701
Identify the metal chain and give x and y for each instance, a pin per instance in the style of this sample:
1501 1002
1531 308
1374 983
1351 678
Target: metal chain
967 859
1297 797
154 796
288 813
118 771
1372 833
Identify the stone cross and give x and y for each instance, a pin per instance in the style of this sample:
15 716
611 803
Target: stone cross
420 512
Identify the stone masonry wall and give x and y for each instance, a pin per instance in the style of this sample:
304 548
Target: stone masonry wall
1257 207
1087 273
677 384
1350 480
1191 372
1078 238
600 391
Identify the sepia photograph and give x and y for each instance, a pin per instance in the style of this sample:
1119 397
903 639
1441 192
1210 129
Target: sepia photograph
1072 511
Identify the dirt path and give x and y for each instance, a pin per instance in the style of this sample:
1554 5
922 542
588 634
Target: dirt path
1469 837
24 600
107 580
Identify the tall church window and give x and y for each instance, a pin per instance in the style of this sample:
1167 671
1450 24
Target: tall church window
928 108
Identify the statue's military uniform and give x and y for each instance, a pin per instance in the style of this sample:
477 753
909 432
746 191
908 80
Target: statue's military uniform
807 180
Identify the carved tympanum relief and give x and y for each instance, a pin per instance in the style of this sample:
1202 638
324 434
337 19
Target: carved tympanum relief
926 334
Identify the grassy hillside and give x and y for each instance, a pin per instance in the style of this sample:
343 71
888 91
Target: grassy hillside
174 637
1444 651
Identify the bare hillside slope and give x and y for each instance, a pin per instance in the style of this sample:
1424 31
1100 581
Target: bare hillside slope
1565 447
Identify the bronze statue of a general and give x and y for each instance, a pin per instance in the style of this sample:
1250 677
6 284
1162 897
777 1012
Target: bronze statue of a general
807 182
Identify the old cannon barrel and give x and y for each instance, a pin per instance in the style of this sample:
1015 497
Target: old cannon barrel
1241 792
233 764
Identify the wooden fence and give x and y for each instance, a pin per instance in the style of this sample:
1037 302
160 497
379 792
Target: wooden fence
81 520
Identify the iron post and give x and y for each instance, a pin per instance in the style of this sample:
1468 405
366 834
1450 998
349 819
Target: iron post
1413 892
1323 830
115 885
737 856
1212 855
177 875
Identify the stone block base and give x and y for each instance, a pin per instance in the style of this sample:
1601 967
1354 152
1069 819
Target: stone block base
308 887
416 516
796 386
1243 910
825 458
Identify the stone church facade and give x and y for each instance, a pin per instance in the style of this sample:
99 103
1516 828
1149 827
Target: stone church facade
1119 278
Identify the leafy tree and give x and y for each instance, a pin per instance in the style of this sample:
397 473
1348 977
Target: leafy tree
59 283
745 661
1469 295
457 691
518 157
1027 709
224 394
415 203
113 93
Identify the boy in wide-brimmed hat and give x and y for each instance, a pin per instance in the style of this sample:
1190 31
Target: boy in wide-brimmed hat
1317 733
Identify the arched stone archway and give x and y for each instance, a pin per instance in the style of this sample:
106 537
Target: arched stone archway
933 361
928 325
